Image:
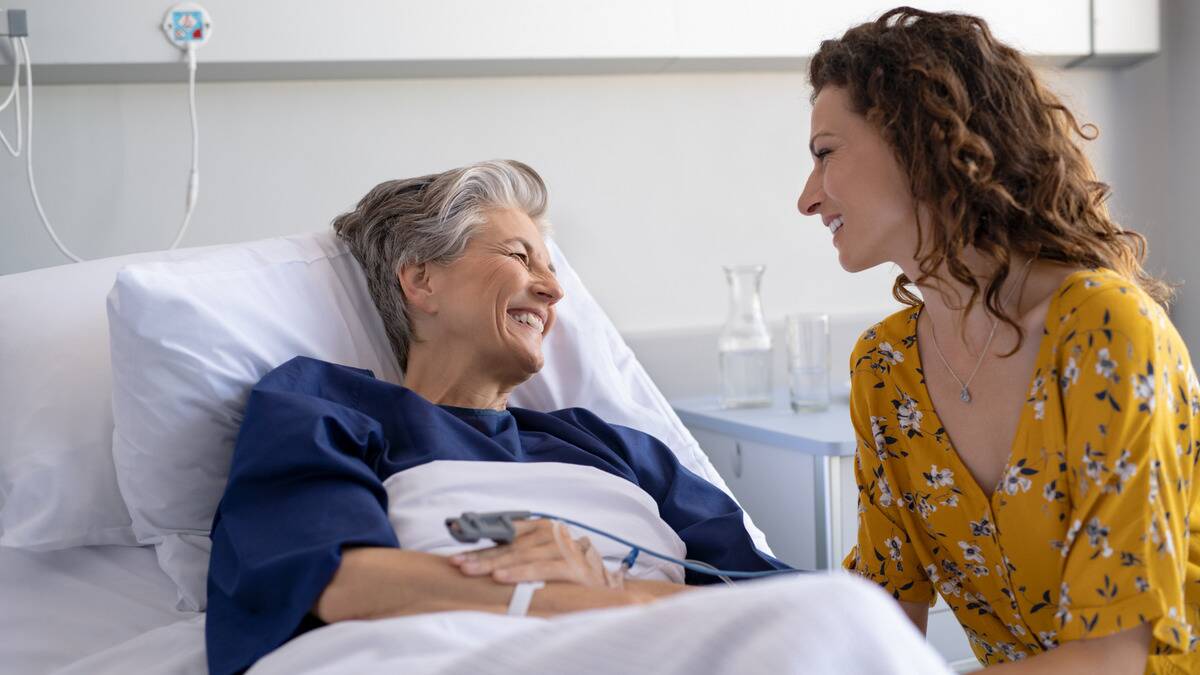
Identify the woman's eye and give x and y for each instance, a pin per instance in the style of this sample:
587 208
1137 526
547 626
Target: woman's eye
522 257
822 153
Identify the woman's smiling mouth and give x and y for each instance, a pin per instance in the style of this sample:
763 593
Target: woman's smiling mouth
528 320
835 225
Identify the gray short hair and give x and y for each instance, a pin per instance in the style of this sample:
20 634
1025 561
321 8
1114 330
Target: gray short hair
430 219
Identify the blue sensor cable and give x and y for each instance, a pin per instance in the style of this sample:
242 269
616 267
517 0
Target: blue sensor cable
635 550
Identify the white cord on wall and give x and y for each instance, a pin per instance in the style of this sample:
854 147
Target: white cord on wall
14 92
193 191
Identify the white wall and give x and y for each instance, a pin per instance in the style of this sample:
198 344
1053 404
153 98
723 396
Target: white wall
656 180
1149 151
1178 190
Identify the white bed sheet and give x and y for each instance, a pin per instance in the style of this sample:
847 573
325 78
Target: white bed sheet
58 607
809 624
110 610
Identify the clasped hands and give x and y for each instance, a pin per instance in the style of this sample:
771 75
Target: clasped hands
543 550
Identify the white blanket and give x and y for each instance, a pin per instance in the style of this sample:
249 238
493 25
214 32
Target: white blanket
827 623
421 498
811 624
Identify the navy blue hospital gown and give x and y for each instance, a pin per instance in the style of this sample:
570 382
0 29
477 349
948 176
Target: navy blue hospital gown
306 481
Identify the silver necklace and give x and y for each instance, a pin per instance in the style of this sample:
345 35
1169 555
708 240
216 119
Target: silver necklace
965 394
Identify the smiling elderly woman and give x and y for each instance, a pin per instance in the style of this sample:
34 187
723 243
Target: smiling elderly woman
326 516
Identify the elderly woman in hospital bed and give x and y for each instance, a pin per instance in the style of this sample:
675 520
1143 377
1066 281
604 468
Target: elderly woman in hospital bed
341 483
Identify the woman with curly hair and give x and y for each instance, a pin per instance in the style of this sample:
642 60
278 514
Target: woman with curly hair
1027 425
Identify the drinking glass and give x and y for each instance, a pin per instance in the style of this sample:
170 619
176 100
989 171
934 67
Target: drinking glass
808 361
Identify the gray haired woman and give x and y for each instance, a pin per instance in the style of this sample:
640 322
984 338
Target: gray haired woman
341 483
429 220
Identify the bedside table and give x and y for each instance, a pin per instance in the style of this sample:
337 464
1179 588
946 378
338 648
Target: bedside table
794 474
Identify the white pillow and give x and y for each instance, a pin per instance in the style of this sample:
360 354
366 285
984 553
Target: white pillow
58 488
588 365
190 339
188 342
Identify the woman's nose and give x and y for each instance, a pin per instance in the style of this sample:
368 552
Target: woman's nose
810 199
548 288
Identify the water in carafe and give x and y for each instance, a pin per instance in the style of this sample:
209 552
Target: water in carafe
746 378
744 347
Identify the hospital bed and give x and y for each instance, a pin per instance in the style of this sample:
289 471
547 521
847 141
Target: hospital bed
121 382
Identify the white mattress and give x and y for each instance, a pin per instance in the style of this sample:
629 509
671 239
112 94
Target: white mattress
59 607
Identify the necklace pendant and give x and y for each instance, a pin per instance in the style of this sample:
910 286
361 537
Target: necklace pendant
965 396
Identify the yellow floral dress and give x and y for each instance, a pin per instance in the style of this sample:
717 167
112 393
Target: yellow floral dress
1092 529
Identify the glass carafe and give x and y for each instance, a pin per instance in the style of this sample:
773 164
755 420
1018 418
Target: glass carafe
744 347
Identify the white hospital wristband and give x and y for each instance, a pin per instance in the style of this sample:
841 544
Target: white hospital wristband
522 596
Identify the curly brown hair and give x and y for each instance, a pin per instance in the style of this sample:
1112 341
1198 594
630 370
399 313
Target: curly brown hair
988 149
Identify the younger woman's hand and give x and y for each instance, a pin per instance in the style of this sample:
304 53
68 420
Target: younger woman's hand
543 550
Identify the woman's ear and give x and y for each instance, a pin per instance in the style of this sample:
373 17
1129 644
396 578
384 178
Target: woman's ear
418 291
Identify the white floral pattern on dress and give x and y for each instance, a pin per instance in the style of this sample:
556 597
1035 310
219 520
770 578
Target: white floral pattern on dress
1015 479
893 545
890 354
1070 374
879 438
937 478
1064 603
885 492
1097 534
1143 388
908 415
971 552
1106 367
1123 471
981 527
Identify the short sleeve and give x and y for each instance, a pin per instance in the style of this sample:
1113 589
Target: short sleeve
300 490
884 552
709 522
1122 372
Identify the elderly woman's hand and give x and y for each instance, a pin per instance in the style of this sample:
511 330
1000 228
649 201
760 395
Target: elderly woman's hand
542 551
